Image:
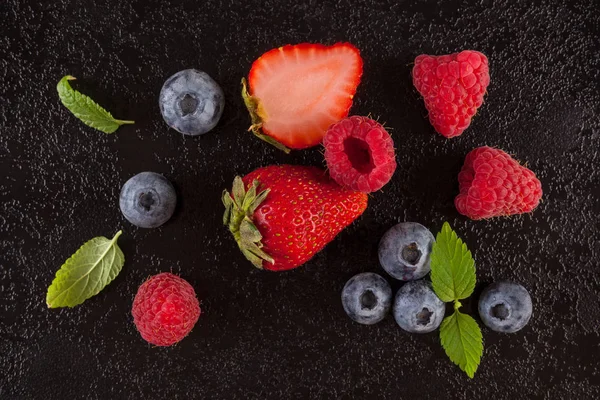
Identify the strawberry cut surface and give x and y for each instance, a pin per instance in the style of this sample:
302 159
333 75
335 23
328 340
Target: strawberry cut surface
298 91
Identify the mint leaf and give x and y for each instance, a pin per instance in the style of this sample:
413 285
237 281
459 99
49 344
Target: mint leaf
452 267
453 279
93 266
462 341
84 108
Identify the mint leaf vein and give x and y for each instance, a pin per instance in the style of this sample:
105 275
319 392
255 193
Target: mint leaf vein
84 108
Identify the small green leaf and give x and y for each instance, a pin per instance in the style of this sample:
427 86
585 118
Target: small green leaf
239 192
250 195
462 340
228 203
254 259
93 266
256 249
84 108
249 232
452 266
258 201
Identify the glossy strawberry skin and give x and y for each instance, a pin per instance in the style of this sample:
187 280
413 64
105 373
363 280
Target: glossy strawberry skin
304 211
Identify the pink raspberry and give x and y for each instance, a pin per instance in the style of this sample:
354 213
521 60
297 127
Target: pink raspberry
359 154
493 184
452 87
165 309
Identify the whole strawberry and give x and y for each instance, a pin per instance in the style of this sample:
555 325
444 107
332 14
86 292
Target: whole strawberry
282 215
452 87
165 309
493 184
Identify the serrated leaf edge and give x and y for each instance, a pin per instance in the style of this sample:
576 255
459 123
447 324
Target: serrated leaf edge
472 358
460 287
58 277
96 116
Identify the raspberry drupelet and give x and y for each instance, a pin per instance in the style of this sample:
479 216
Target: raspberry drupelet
493 184
452 87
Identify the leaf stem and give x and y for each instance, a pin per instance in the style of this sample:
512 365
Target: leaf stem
123 122
457 305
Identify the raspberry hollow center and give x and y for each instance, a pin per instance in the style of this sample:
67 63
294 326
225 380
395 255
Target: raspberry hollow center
359 155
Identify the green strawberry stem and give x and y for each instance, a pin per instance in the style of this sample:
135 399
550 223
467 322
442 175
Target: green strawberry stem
239 210
255 110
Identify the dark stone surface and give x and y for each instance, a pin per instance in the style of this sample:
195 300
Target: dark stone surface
285 335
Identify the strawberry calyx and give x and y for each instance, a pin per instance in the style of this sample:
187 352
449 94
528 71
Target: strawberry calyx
257 115
239 210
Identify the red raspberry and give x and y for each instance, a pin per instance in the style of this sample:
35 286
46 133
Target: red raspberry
359 154
452 87
493 184
165 309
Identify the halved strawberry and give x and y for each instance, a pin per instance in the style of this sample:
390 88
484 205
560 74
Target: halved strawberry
296 92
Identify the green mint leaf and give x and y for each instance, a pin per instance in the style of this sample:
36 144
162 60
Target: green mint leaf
462 341
452 267
84 108
93 266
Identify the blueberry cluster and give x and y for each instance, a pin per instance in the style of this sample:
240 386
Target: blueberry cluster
404 253
192 103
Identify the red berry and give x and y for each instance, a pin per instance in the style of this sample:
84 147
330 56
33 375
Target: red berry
282 215
165 309
359 154
452 87
493 184
295 92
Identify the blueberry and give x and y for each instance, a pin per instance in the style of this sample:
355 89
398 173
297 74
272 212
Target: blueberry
417 309
505 307
191 102
404 251
147 200
367 298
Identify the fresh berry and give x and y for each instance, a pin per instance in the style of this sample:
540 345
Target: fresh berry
165 309
404 251
147 200
505 307
492 184
367 298
417 309
452 87
191 102
296 92
282 215
359 154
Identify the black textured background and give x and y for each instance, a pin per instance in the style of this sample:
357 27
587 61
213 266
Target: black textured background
284 335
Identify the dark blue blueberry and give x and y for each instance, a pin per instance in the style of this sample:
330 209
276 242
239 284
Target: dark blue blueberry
417 309
505 307
367 298
147 200
404 251
191 102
